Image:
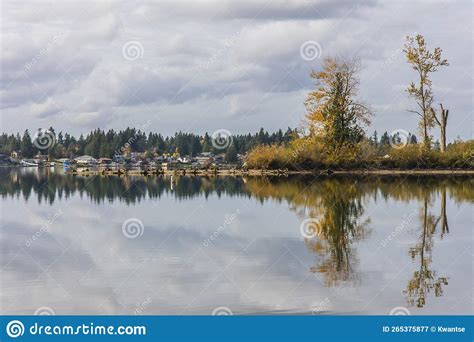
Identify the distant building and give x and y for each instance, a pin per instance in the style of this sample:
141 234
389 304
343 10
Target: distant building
105 161
85 160
203 160
136 156
118 158
16 154
184 160
41 157
170 166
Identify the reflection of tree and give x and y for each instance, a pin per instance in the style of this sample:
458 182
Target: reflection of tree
425 280
339 220
48 186
335 208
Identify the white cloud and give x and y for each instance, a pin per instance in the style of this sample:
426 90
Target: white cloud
216 60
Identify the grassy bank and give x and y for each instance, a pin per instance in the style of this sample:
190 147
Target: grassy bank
309 154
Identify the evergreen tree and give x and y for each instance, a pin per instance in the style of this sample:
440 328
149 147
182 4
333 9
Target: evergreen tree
231 154
27 148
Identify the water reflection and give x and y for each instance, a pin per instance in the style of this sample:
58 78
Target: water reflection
48 185
351 217
425 280
337 210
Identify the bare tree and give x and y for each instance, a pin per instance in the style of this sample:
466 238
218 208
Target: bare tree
442 122
423 62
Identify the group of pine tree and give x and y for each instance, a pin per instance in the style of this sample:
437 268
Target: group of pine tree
99 143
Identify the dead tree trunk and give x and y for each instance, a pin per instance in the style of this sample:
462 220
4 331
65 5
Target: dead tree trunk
442 122
444 216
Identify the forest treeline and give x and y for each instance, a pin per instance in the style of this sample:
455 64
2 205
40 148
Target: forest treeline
100 143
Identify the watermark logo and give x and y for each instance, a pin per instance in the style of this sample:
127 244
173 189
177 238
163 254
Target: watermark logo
400 228
133 228
399 138
321 306
310 50
309 228
141 307
57 39
228 44
44 311
222 311
44 139
44 228
400 311
221 139
228 220
132 50
15 328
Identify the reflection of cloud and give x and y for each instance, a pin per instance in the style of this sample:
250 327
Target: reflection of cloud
92 268
97 266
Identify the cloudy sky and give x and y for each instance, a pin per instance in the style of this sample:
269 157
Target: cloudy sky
203 66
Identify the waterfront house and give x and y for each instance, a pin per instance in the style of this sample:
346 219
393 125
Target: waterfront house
85 160
184 160
204 159
136 156
16 154
39 158
105 161
169 166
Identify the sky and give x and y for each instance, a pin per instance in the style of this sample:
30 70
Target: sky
167 66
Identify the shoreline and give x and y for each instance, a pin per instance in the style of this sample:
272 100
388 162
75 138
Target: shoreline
263 172
253 172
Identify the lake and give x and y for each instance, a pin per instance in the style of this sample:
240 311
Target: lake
252 245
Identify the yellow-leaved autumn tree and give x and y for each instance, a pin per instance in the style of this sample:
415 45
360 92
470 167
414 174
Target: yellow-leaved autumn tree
334 113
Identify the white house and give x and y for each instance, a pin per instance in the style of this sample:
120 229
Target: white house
85 160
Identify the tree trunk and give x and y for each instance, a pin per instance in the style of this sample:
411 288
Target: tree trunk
444 216
442 122
443 139
426 139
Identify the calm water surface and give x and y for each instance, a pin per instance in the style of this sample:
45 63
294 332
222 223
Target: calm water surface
252 245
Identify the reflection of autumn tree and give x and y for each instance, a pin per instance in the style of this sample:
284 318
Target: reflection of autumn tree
339 221
335 209
425 280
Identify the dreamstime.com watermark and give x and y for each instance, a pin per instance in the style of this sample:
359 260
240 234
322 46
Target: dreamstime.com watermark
310 50
141 307
228 220
400 228
229 42
44 227
16 329
221 139
133 50
320 307
44 139
133 228
52 43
